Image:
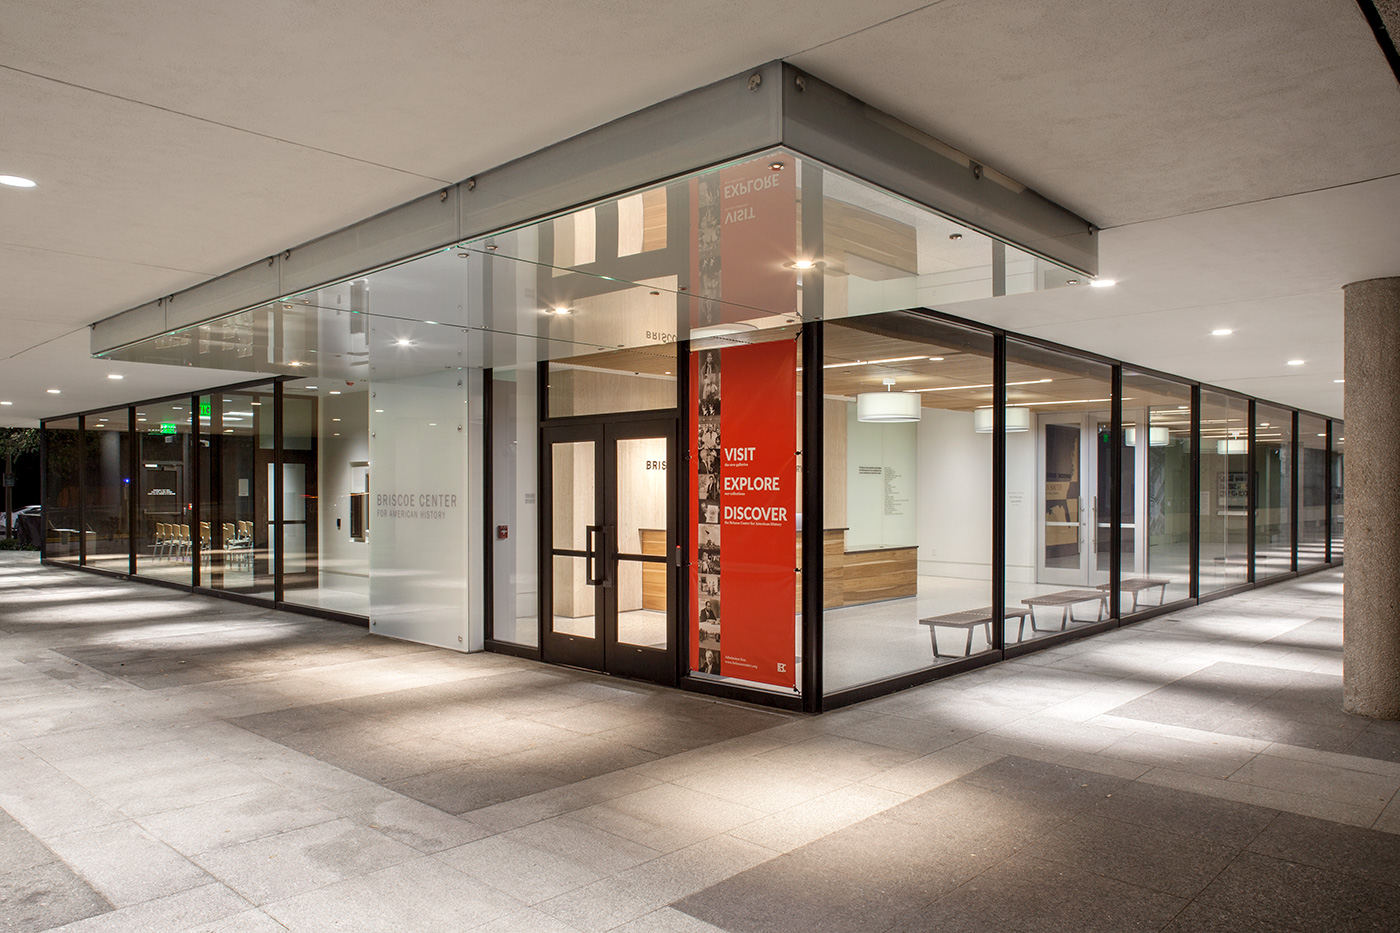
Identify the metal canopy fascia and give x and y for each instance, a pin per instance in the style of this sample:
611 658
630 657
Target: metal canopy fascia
772 105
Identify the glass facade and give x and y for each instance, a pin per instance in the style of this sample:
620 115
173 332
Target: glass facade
1059 480
1312 491
725 432
1225 492
908 512
1156 564
236 456
1337 550
165 535
63 517
1273 491
107 495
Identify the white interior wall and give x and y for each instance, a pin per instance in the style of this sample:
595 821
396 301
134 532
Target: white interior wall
955 496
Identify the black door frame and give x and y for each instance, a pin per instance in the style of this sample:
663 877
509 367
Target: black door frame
603 652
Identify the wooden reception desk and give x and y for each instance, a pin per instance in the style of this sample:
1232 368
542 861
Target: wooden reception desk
850 578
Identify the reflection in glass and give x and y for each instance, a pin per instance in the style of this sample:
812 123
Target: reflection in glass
1312 492
165 537
514 465
62 521
1058 483
107 498
1225 482
1338 491
235 479
1156 566
907 542
1273 495
575 602
326 522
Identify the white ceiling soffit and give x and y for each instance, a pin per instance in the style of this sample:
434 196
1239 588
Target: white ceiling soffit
1125 112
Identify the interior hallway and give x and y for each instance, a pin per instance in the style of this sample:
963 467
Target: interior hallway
171 762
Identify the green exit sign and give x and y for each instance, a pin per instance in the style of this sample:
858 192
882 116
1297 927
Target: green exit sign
204 408
168 428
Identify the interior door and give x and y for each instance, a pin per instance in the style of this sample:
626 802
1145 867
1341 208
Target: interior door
608 548
1064 541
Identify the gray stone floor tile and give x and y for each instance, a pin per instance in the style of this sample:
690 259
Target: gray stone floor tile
1027 894
1203 918
1290 894
1160 861
45 895
423 895
1351 850
1046 784
234 820
300 860
416 824
105 856
1222 822
666 817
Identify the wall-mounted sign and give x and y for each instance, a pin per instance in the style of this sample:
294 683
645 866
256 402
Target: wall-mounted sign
743 480
168 428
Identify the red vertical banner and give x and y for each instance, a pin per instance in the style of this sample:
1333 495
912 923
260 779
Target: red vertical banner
743 481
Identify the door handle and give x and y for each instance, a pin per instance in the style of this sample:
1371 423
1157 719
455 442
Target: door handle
609 558
591 556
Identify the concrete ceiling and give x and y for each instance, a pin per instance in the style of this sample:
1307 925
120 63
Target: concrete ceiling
1242 158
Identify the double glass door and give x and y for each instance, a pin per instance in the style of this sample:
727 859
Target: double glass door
609 547
1076 533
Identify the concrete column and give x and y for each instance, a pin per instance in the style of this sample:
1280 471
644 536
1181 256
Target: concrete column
1371 593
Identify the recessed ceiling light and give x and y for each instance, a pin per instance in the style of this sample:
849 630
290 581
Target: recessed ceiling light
776 166
1221 332
14 181
115 376
559 310
6 403
55 391
432 424
803 264
1103 283
335 392
402 341
955 236
1296 362
936 359
140 419
335 419
1071 281
337 434
379 411
312 387
1339 381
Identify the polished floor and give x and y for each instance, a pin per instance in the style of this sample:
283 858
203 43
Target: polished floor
175 763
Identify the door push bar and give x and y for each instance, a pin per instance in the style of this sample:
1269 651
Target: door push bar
593 552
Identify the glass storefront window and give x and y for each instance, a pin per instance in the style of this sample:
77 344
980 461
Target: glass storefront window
326 494
1059 448
1312 492
165 535
107 496
1156 564
515 508
1225 464
1273 493
63 524
908 474
1339 444
235 449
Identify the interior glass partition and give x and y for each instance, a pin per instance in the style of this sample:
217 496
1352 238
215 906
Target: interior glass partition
1059 448
165 533
515 505
1156 514
1273 491
326 512
907 497
62 515
1339 445
107 493
1225 485
1312 492
236 448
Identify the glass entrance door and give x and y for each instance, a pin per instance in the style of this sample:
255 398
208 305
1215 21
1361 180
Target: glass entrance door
1076 533
609 548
